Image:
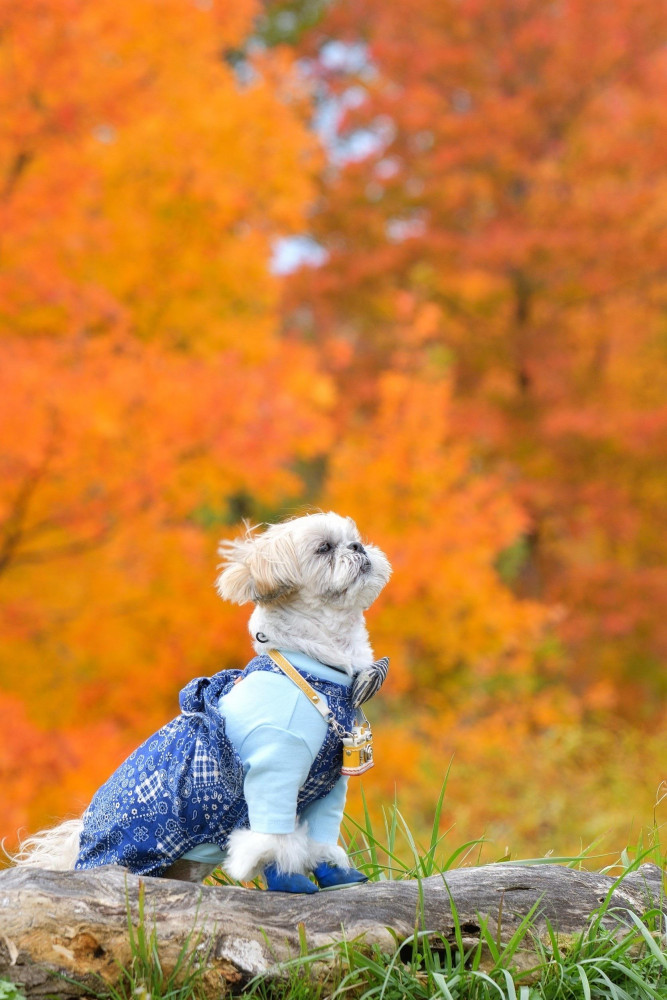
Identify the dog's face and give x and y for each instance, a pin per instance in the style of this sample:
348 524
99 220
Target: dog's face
318 557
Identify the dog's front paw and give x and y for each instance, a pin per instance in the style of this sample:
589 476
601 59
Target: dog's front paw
278 881
331 876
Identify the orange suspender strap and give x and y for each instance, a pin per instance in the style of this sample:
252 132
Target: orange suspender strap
311 694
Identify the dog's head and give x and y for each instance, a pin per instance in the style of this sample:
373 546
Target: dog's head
319 557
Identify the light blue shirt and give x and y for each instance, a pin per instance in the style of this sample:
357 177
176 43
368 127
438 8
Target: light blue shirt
278 733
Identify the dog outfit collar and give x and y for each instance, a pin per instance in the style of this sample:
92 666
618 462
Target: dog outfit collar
326 672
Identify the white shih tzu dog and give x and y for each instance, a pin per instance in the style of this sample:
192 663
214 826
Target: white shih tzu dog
252 774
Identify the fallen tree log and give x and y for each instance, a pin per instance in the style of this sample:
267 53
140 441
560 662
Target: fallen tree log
75 924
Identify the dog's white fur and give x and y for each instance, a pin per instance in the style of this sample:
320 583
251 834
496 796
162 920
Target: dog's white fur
56 849
311 579
250 852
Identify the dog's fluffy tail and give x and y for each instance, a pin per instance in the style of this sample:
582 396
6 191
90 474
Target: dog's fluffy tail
56 849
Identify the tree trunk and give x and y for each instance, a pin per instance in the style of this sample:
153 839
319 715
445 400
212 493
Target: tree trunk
75 924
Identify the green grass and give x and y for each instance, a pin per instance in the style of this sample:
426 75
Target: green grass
592 967
595 965
144 978
10 991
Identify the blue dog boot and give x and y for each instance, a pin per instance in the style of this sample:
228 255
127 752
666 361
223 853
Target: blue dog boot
331 876
285 882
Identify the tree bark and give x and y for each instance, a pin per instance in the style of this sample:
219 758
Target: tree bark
75 924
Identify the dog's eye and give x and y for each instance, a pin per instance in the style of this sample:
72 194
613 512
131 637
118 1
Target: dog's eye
324 548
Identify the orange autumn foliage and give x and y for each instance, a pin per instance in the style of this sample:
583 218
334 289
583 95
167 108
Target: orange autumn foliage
499 241
144 390
504 234
444 526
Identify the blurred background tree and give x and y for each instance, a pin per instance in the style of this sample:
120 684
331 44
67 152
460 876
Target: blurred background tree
145 390
461 343
492 219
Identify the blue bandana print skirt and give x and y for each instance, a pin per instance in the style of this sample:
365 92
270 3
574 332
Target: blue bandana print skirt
184 785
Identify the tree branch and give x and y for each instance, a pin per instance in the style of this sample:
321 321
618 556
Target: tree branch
76 923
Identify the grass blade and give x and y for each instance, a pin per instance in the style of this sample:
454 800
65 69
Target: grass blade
441 983
583 978
649 940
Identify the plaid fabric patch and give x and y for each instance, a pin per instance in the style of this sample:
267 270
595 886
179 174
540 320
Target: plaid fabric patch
149 789
173 842
205 770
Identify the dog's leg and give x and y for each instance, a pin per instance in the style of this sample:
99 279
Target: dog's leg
249 852
281 857
332 854
184 870
331 867
328 862
276 763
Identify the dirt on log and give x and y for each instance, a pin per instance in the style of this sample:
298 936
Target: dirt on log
61 933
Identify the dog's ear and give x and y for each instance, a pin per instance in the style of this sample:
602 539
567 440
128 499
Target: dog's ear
258 568
234 582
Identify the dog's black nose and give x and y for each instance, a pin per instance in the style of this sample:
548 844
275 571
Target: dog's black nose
357 547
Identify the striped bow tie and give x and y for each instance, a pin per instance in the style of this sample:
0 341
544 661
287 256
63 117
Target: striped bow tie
368 682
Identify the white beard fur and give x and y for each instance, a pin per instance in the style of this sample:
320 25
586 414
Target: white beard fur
304 603
335 637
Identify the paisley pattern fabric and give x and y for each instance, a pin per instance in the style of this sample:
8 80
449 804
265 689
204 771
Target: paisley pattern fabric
184 785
